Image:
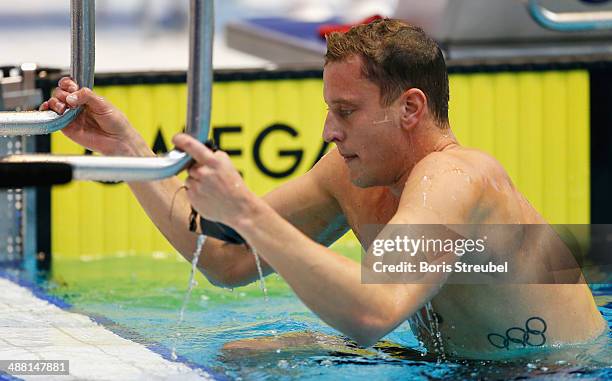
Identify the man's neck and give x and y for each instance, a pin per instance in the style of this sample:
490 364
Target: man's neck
423 141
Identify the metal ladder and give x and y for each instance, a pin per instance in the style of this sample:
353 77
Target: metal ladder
17 170
569 21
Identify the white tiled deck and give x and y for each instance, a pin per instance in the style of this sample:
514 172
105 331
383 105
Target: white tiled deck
34 329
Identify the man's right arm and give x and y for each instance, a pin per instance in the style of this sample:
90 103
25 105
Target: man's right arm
305 201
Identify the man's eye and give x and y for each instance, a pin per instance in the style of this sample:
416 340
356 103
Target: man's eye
345 113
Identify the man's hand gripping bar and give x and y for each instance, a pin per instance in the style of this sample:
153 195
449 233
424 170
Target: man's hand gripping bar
211 228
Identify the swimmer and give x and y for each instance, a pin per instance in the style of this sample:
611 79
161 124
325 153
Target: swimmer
395 161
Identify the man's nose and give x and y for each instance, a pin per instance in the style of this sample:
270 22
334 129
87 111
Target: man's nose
331 131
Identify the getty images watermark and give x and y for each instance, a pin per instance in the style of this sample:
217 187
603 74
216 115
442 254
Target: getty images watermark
423 246
486 254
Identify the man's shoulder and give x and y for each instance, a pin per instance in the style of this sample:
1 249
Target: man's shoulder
473 164
454 184
443 181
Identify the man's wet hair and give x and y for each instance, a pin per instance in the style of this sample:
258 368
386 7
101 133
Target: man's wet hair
396 56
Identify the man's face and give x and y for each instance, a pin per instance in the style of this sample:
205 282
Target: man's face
366 134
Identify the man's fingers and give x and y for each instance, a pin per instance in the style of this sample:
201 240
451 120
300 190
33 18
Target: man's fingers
57 106
198 171
67 84
85 96
80 97
198 151
60 94
69 92
192 173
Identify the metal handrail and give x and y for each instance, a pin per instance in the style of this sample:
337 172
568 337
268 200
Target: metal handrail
110 168
569 21
82 16
199 77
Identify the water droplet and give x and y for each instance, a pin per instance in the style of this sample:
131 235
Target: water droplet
283 364
262 283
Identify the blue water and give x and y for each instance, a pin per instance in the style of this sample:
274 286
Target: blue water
140 300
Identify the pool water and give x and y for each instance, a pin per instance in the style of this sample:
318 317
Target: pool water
139 297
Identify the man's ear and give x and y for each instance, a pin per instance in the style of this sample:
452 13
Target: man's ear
413 107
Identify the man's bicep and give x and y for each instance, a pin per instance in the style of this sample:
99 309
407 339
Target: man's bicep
308 205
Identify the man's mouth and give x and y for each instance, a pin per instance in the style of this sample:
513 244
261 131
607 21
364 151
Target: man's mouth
348 158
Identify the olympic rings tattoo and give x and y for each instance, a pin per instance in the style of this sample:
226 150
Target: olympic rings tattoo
521 336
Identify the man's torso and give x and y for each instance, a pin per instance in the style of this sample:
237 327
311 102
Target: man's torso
477 320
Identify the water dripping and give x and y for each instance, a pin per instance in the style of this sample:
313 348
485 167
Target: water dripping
436 335
426 180
192 282
431 327
262 282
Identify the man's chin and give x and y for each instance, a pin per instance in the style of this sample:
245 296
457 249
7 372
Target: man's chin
363 179
361 182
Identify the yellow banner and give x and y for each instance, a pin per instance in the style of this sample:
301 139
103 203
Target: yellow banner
536 124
